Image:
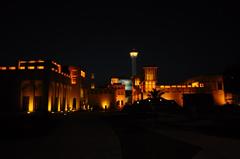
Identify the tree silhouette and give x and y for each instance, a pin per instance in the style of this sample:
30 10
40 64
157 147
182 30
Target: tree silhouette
155 94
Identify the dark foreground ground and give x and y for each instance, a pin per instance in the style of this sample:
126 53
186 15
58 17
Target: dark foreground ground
139 142
116 135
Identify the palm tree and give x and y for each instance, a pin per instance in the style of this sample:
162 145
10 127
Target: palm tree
155 94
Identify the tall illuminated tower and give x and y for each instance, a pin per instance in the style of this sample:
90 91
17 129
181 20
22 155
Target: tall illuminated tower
133 55
150 78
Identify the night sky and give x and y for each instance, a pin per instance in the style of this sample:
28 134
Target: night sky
182 39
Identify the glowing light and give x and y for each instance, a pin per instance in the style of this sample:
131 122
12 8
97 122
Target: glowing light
3 68
22 62
92 76
173 86
134 54
49 104
114 80
31 67
137 81
59 105
73 81
92 86
52 112
30 106
40 67
32 61
59 68
83 74
105 103
22 68
219 98
73 74
28 112
53 62
40 61
58 65
195 84
12 68
201 85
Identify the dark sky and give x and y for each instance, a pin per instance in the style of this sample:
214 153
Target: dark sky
182 39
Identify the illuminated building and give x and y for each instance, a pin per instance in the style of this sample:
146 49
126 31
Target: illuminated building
150 78
41 86
127 83
113 96
101 98
128 89
136 89
204 85
141 88
133 55
78 90
114 80
211 86
120 94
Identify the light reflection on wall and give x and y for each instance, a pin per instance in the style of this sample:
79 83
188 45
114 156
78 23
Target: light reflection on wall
30 91
12 68
40 67
30 107
31 67
3 68
105 103
49 103
83 74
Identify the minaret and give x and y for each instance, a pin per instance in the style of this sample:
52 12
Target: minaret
133 55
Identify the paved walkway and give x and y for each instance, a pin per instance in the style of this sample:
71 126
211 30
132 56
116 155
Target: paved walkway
212 147
85 138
